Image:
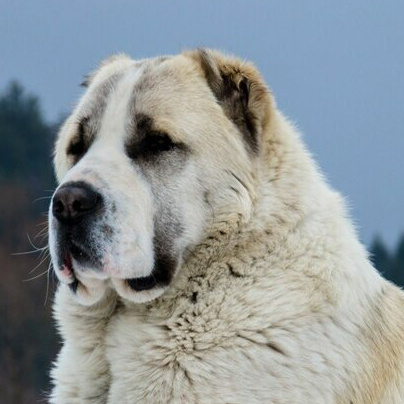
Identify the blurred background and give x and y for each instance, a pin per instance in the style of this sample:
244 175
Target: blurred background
336 69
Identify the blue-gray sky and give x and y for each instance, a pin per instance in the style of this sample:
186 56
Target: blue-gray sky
336 69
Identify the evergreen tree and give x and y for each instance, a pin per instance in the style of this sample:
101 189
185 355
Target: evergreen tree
381 258
399 262
27 340
25 151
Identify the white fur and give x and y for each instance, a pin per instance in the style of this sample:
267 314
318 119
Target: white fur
277 302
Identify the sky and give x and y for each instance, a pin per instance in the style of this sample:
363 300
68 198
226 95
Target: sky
336 69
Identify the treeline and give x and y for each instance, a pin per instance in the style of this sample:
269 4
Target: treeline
28 341
389 263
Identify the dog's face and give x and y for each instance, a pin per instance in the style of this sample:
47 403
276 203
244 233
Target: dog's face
152 154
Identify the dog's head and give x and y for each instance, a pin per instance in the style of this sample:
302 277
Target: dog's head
153 152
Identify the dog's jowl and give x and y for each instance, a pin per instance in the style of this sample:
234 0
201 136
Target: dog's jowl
202 257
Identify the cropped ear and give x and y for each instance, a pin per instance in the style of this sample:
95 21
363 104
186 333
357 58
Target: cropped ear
113 59
241 92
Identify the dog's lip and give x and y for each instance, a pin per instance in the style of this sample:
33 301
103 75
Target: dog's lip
67 261
73 252
143 283
67 269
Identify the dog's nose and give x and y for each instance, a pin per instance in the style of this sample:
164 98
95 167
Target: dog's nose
75 201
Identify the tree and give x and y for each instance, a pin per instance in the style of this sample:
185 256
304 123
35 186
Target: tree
399 262
27 339
381 258
25 151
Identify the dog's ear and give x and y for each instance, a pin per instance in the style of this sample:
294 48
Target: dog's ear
113 59
240 90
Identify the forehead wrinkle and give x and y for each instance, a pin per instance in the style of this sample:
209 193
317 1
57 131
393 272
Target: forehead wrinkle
141 85
88 114
114 120
96 101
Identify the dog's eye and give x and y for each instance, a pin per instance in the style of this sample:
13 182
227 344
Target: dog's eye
152 145
78 146
157 143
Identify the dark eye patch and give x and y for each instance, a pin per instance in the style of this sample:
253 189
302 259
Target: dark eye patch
157 143
153 145
80 143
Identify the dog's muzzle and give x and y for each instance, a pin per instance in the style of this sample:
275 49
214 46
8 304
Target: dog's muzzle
76 206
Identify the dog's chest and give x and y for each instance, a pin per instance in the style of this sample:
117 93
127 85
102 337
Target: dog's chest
156 358
213 351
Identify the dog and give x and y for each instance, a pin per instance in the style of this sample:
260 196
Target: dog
202 257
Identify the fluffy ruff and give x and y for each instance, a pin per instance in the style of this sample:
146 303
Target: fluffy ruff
277 304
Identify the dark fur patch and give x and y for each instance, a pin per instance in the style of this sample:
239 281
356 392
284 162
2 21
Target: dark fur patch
89 119
164 269
232 90
162 274
140 284
81 142
148 143
167 229
74 285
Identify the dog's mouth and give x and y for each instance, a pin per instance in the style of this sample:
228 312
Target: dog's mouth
73 258
78 254
67 262
67 271
90 272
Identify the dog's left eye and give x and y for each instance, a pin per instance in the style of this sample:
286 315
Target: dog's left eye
152 145
157 143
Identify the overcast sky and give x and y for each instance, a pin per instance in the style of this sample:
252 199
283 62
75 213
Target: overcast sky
336 68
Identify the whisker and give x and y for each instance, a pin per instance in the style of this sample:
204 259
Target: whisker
35 277
43 237
32 244
35 248
41 232
40 263
44 252
41 198
38 250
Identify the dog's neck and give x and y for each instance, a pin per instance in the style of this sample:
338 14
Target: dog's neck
293 212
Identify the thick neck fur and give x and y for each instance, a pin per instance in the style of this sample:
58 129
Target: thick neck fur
297 246
296 219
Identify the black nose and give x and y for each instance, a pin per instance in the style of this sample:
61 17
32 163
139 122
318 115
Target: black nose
74 201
